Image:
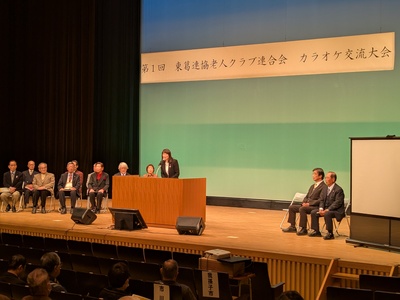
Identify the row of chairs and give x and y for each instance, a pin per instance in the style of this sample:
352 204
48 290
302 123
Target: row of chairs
98 250
376 287
341 293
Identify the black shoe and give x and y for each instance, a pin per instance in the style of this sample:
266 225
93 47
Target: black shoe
329 236
314 233
93 209
63 211
8 208
71 210
34 210
14 209
289 229
43 210
97 211
302 231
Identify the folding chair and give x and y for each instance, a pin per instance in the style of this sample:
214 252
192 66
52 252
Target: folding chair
336 223
298 198
346 216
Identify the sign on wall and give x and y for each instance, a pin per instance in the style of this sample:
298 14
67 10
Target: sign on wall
360 53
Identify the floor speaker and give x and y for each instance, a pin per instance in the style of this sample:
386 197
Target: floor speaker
83 216
190 225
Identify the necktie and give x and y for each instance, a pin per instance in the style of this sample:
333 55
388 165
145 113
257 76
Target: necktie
12 176
329 191
69 177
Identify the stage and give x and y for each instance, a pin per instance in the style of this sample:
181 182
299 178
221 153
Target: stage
253 233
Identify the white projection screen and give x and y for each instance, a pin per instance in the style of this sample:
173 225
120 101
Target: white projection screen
375 182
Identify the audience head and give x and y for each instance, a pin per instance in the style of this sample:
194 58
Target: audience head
123 167
118 276
318 174
150 169
71 167
330 178
39 282
12 165
51 262
42 168
166 155
98 167
169 270
31 165
75 162
17 264
290 295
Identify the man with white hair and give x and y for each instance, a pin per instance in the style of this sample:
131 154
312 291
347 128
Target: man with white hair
123 168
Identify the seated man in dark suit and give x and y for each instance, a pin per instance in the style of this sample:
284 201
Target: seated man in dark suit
97 186
169 273
310 202
15 270
332 206
13 181
69 184
28 179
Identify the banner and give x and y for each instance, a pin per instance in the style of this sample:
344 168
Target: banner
360 53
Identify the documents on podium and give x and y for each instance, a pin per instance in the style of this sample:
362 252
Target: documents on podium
161 200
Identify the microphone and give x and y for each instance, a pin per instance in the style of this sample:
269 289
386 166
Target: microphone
161 162
159 166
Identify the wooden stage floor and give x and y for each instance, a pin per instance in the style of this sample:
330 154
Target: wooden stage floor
243 231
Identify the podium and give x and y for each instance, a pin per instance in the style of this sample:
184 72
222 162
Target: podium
161 200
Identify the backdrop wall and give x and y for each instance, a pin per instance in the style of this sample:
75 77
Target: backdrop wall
260 138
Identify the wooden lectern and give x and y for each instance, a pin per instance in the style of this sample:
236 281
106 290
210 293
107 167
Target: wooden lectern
161 200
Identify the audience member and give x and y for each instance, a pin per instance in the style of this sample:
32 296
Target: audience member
13 181
290 295
332 206
150 172
122 168
28 179
15 270
69 184
169 273
310 202
118 277
51 262
80 174
43 184
39 285
169 165
98 186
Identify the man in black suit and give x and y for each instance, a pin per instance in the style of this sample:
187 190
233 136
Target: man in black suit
13 181
310 202
69 184
97 186
332 206
123 169
28 179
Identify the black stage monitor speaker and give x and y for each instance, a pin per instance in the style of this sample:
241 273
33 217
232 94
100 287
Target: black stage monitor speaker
190 225
127 219
83 216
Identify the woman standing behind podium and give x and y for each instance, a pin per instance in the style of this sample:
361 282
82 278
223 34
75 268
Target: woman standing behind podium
169 165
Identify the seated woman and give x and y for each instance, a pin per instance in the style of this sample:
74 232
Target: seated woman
150 172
